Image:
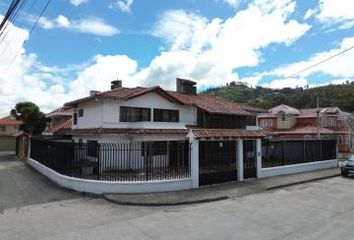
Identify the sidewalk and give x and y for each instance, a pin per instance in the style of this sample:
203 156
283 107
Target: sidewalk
220 191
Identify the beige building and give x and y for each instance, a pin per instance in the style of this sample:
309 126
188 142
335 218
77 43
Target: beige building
9 130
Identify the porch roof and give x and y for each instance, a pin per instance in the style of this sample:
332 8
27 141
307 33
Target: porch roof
227 133
115 131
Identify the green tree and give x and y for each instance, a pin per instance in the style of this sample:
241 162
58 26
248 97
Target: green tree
33 119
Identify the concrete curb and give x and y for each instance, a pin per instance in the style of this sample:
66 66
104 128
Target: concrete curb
301 182
115 198
161 204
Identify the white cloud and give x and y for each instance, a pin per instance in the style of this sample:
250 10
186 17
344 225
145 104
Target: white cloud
286 83
89 25
335 71
309 13
336 12
210 50
233 3
101 71
123 5
341 66
206 50
78 2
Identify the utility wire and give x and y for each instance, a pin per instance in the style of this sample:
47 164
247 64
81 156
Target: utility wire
31 31
13 20
5 22
323 61
5 50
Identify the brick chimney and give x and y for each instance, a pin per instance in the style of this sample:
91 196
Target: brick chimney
116 84
186 86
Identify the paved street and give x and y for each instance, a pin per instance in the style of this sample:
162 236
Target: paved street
317 210
20 185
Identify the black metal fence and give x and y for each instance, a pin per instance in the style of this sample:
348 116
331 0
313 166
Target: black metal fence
123 162
281 153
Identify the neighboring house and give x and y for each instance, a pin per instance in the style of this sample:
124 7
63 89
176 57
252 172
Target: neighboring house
58 122
9 130
285 122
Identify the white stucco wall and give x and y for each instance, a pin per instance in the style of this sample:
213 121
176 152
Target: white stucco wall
297 168
92 115
101 187
105 113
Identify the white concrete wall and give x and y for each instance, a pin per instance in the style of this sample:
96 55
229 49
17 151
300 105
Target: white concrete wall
297 168
92 115
105 113
100 187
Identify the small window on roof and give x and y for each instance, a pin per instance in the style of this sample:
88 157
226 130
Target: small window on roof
282 116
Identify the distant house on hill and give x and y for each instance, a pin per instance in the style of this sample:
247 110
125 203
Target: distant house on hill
285 122
9 130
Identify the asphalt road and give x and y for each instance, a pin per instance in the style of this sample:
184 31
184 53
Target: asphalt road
318 210
21 186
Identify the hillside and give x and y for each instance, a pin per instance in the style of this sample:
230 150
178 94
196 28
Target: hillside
330 95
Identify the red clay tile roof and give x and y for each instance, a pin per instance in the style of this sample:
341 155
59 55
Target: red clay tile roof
284 108
125 94
10 120
309 129
213 104
63 125
307 112
114 131
62 111
227 133
207 103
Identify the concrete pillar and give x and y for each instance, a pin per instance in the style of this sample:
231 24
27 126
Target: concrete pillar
240 160
259 157
195 162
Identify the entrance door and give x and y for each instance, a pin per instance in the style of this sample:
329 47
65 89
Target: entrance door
249 159
217 162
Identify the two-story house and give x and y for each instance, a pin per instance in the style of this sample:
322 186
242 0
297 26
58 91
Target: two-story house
285 122
161 120
154 113
9 130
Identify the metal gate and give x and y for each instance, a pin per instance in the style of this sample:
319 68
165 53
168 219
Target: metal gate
249 159
217 162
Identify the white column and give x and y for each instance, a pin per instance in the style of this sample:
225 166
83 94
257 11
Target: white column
240 160
29 149
259 157
195 162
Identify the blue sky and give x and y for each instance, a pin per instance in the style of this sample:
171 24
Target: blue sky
80 45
